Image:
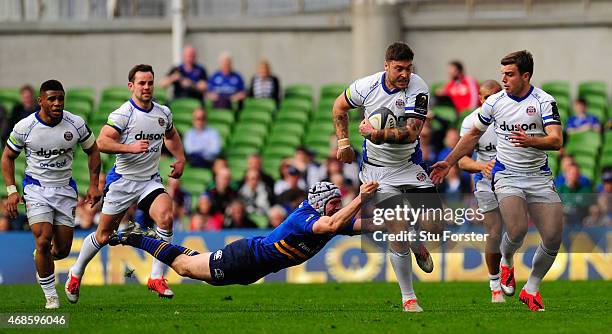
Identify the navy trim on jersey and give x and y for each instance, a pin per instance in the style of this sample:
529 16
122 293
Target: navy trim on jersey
382 82
11 148
30 180
45 123
364 154
417 157
477 177
519 99
496 168
552 123
143 110
483 120
111 177
348 100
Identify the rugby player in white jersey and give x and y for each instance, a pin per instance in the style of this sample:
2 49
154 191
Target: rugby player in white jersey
527 123
135 133
391 157
487 202
49 138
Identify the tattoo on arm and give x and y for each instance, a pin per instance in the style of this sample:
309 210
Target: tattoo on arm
407 134
341 124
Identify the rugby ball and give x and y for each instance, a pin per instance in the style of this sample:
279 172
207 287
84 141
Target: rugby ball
382 118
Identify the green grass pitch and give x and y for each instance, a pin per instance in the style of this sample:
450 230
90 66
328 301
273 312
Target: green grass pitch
571 307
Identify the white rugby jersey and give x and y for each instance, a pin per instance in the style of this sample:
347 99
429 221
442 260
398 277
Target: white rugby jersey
485 149
532 114
49 150
134 124
412 102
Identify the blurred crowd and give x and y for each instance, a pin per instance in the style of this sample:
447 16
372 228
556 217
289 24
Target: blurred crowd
260 201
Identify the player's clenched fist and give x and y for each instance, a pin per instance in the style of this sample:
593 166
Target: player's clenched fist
140 146
439 171
10 205
346 155
368 187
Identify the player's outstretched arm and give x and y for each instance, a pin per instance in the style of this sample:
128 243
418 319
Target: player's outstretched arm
94 164
8 173
465 145
340 115
338 221
407 134
108 142
552 141
175 146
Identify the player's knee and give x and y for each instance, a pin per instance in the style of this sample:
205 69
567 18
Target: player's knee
102 236
43 244
61 253
517 234
165 221
552 242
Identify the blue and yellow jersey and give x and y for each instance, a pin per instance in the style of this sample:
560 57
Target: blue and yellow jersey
292 242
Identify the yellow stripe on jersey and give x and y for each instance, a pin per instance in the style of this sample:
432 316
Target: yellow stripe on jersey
280 249
293 250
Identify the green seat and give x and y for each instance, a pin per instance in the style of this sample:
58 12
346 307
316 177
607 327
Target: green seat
108 106
599 88
221 116
241 152
266 104
165 166
184 105
606 160
435 86
289 129
116 93
182 118
271 166
85 94
314 138
293 116
332 91
278 152
238 167
323 113
255 116
587 138
596 101
246 140
199 176
299 90
599 113
161 96
446 113
8 105
563 102
283 139
10 94
557 88
223 129
255 129
297 104
323 128
81 108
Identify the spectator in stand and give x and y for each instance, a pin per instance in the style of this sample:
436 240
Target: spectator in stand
450 141
276 216
223 192
461 89
428 150
181 203
568 161
574 196
26 107
456 185
236 217
5 122
303 160
290 189
226 87
582 121
213 222
197 223
264 84
189 78
202 144
85 216
254 163
256 196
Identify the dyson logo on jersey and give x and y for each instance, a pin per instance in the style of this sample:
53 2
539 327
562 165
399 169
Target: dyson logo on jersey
49 153
148 136
517 127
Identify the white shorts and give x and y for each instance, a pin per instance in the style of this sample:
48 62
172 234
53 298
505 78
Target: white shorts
121 193
536 187
484 194
55 205
395 180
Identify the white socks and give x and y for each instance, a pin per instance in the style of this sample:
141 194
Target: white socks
402 265
543 259
48 285
89 249
508 248
494 282
158 268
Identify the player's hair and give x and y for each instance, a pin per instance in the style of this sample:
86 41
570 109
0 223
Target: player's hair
491 85
582 101
458 65
51 85
399 51
522 59
139 68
